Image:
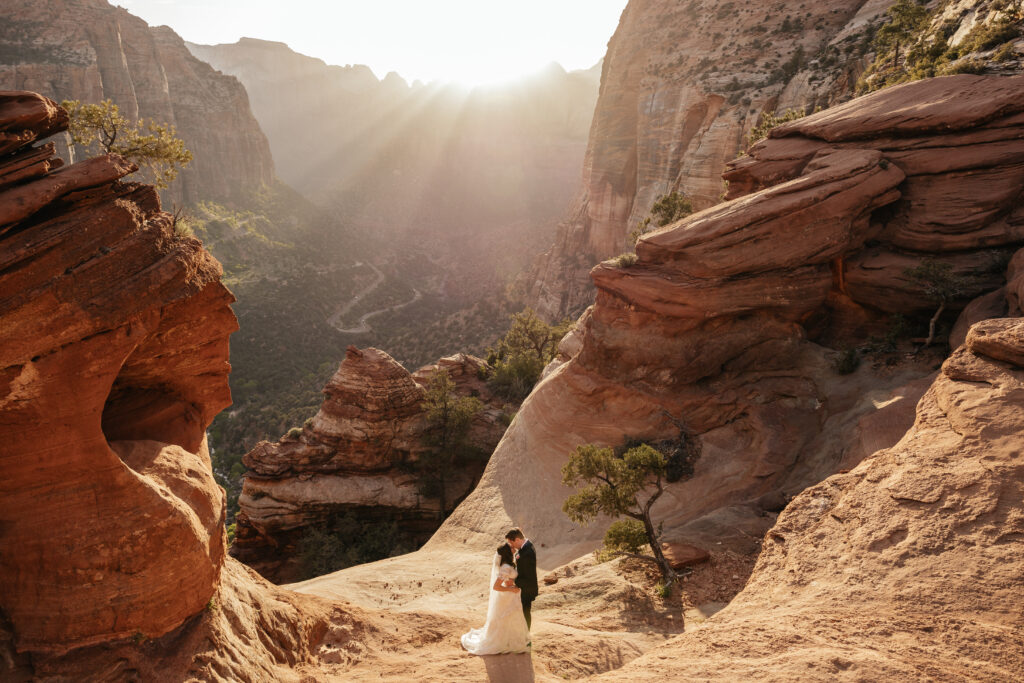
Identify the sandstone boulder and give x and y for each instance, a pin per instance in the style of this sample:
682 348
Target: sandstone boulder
357 455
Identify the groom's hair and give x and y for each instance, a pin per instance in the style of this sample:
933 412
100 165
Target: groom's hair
514 534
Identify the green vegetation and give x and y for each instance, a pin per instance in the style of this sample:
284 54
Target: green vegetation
625 260
520 356
153 146
910 46
667 208
346 541
449 417
619 486
770 120
905 18
899 330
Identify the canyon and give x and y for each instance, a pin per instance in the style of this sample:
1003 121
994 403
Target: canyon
89 50
684 84
863 520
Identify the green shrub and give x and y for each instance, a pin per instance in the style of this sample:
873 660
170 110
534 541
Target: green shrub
985 36
520 356
770 120
625 260
294 433
1005 53
625 535
969 65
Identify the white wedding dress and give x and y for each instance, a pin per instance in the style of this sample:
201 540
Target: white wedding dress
505 629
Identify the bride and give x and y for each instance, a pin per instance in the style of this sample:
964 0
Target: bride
505 629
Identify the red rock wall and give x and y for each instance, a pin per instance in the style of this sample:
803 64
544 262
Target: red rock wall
113 361
714 326
354 456
682 83
908 567
90 50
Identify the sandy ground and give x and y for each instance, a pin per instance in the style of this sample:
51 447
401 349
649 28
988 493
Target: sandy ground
596 618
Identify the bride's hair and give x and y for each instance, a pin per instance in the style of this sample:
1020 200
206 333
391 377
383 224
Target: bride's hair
505 552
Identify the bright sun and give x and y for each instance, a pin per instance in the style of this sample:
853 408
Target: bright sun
468 41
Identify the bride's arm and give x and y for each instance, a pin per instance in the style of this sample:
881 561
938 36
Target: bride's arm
499 585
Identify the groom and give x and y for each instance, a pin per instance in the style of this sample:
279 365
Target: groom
526 566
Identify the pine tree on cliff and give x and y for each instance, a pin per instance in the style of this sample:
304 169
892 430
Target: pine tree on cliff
620 486
905 18
449 417
153 147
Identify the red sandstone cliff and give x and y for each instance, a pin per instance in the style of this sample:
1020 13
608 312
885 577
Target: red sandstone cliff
357 455
900 558
90 50
682 85
113 361
714 324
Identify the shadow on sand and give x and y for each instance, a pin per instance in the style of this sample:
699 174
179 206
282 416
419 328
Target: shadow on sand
513 668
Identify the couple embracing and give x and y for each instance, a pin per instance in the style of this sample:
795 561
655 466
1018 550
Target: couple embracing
513 589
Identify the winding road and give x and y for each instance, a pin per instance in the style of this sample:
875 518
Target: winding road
364 325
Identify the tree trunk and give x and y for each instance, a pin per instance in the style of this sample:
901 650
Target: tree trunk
932 323
666 569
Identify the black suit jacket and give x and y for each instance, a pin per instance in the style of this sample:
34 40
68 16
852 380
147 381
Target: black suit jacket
526 565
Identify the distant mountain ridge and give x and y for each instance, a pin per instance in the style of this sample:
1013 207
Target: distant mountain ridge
423 157
90 50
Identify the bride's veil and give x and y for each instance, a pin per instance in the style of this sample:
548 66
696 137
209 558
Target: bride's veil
492 599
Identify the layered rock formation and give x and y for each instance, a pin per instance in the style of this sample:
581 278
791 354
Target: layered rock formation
682 86
894 563
113 361
908 567
89 50
357 455
709 329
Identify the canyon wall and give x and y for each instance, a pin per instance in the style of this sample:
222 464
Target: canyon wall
89 50
113 361
477 176
359 455
683 84
712 329
908 567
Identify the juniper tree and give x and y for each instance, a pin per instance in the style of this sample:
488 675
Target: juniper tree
154 147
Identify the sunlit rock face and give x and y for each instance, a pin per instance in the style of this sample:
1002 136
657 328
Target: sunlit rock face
723 329
920 538
683 84
89 50
113 361
354 456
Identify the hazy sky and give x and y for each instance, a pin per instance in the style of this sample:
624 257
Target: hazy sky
472 41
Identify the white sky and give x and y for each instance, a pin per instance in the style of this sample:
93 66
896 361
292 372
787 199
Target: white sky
471 41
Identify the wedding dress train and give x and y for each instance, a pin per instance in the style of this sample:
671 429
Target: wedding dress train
505 629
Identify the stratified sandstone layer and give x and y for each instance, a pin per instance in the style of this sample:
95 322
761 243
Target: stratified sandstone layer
710 329
357 455
683 84
89 50
909 567
113 361
114 328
